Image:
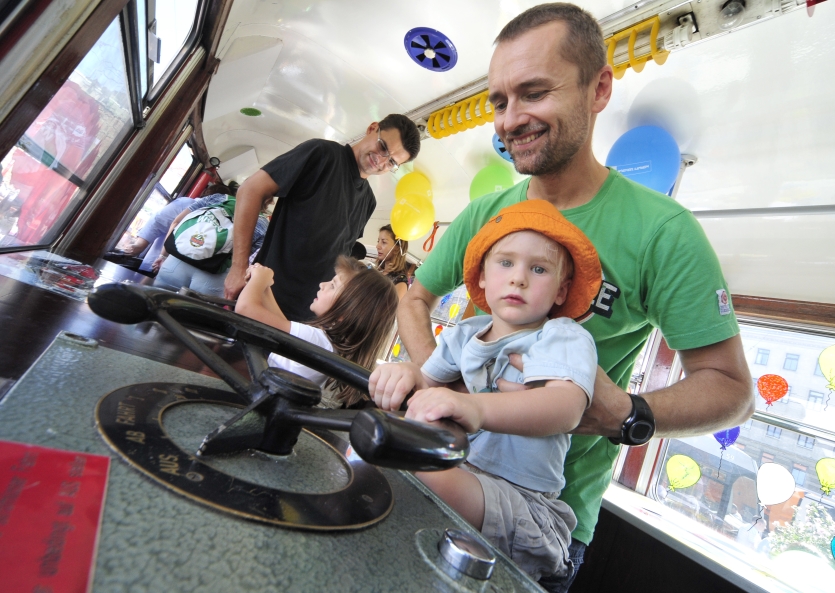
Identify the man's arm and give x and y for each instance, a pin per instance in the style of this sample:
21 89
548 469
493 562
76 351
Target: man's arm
716 393
248 202
413 323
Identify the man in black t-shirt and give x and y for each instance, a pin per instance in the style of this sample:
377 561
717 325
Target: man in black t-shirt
325 201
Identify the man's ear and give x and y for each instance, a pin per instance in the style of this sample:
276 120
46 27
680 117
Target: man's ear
372 128
562 293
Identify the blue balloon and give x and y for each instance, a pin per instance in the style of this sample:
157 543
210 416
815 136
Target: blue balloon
500 148
728 437
648 155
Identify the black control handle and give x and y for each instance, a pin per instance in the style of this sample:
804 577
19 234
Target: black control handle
378 437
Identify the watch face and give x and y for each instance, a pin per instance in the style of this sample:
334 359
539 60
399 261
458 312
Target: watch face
641 432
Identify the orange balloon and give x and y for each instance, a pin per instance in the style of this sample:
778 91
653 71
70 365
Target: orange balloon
772 387
438 329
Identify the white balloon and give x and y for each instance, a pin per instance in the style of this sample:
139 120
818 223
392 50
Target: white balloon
775 484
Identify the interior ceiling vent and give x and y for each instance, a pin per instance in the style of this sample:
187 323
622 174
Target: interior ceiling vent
431 49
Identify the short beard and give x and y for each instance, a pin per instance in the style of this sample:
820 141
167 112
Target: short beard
558 152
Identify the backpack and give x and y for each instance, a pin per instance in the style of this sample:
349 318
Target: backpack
204 237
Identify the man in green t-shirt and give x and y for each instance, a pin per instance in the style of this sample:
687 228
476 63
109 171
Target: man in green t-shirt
548 79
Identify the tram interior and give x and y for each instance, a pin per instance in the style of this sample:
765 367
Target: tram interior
743 92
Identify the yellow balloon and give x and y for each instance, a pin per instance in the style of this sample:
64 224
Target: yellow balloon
412 217
682 471
826 360
396 350
453 310
413 184
825 469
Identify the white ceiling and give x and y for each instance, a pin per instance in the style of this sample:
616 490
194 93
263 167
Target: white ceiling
754 106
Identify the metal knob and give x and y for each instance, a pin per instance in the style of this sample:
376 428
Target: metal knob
466 554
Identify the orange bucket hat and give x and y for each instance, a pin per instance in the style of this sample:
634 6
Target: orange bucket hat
542 217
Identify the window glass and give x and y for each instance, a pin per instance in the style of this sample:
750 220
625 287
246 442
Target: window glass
177 169
155 202
142 19
44 176
174 20
730 492
762 356
808 400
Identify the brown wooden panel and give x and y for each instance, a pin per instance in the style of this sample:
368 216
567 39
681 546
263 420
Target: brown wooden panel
21 24
782 309
33 102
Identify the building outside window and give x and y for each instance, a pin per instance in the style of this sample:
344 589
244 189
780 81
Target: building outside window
790 364
799 475
815 400
773 432
805 441
762 356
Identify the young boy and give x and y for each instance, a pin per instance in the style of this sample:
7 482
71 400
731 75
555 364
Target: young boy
526 265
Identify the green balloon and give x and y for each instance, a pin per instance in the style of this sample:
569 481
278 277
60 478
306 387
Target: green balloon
490 179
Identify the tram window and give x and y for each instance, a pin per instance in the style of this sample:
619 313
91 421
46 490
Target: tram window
161 195
169 22
156 201
726 498
45 176
177 170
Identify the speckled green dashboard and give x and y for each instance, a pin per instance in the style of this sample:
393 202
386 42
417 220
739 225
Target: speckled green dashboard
155 540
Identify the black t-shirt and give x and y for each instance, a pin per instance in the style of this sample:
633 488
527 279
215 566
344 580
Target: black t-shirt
322 210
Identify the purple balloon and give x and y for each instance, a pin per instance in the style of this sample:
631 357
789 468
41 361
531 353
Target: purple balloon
728 437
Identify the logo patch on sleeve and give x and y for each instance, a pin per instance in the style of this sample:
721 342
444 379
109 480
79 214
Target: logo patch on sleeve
724 302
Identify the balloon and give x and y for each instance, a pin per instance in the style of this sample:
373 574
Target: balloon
825 469
413 184
396 350
772 387
445 300
826 360
682 471
501 149
438 330
727 438
648 155
490 179
412 217
775 484
832 547
453 310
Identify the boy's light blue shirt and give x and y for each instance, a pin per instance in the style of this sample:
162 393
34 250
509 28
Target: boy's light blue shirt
560 349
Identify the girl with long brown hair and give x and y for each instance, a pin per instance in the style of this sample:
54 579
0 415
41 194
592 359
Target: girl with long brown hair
355 314
391 259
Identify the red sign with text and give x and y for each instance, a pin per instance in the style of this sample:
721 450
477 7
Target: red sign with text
51 504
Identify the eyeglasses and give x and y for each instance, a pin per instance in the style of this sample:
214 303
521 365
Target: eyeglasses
393 166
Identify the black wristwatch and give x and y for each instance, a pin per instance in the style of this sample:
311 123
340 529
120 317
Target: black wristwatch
639 426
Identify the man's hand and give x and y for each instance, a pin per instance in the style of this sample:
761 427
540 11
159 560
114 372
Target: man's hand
389 384
428 405
234 283
609 407
158 263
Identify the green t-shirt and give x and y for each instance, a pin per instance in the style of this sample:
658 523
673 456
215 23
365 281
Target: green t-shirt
659 270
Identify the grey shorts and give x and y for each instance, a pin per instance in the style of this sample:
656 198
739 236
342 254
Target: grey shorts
533 528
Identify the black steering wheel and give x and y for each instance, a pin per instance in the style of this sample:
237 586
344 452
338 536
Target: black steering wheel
286 401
